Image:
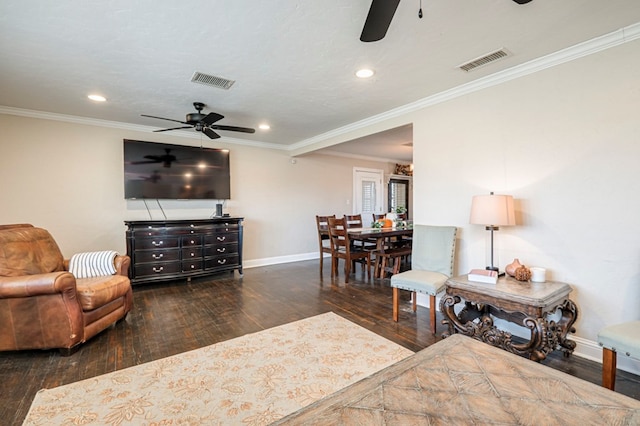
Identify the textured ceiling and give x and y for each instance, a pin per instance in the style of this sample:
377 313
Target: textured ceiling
293 61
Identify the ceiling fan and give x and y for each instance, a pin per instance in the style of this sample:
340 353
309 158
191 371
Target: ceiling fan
380 15
203 123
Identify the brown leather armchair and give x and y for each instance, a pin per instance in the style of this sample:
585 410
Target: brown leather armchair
42 305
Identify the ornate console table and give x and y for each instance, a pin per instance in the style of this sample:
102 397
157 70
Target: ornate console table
543 308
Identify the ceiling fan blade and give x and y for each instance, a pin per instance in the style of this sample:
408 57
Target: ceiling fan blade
162 118
211 118
212 135
378 20
173 128
232 128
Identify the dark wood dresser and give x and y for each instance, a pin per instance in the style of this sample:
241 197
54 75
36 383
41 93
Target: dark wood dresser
173 249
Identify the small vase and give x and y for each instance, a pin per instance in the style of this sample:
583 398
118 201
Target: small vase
511 268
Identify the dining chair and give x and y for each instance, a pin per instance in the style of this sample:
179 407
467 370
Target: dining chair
355 221
324 243
432 259
377 217
341 248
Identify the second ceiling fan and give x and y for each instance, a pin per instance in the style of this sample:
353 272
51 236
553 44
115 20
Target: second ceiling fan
203 122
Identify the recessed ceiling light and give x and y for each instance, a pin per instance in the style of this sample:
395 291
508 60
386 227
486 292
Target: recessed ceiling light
364 73
97 98
264 126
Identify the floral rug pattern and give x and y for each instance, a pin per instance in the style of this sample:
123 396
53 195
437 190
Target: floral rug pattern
255 379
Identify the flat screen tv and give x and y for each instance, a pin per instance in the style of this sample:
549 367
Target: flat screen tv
175 172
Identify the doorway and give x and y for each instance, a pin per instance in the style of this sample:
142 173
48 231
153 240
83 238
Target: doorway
367 192
398 195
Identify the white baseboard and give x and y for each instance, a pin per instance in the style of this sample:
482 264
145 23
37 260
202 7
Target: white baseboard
254 263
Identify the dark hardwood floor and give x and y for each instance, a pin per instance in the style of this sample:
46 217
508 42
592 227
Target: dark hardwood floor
176 317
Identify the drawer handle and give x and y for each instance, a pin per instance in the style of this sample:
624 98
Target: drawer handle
221 250
193 242
222 261
158 269
193 266
192 254
159 243
222 238
157 256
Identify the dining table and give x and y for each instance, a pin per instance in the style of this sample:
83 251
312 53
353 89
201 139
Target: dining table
381 236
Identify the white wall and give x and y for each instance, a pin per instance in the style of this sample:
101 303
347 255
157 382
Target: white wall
68 178
565 142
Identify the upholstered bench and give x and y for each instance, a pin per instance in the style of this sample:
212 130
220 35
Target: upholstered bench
618 338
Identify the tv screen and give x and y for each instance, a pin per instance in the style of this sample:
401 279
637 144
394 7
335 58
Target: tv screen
164 171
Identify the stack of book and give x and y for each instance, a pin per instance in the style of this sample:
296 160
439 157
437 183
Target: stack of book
483 276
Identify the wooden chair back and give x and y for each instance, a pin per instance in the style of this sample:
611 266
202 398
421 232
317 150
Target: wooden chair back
377 217
341 248
322 223
354 221
324 243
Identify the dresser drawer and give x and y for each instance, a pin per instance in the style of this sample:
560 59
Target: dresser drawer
192 240
166 255
191 265
221 250
191 253
159 242
159 268
221 261
221 237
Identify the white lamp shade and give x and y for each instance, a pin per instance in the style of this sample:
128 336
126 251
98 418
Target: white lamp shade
496 210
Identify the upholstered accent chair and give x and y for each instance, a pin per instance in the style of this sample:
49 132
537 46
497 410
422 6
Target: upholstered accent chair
621 338
432 256
42 305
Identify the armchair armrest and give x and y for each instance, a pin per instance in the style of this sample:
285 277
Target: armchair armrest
36 285
122 263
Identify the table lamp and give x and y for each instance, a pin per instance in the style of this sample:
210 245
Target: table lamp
492 211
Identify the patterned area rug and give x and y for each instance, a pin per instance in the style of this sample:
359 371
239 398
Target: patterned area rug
251 380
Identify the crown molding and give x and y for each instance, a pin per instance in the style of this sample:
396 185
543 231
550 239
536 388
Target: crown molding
598 44
589 47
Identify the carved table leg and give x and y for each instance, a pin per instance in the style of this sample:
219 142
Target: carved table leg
569 317
447 303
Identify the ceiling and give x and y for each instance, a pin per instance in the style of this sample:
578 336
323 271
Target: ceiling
293 62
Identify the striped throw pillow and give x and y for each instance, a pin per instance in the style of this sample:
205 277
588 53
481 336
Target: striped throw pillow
93 264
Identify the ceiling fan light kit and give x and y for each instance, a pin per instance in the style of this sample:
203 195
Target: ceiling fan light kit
202 123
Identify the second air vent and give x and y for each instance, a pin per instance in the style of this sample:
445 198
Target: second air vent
484 60
212 80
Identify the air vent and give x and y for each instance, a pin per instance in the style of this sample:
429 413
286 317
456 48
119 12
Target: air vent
484 60
212 80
